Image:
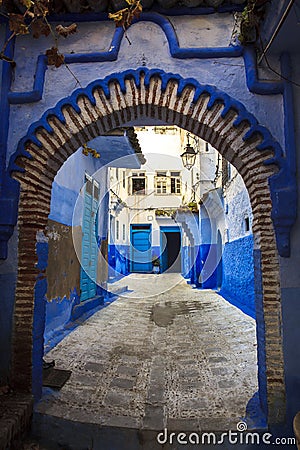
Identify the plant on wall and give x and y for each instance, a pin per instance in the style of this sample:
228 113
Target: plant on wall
124 17
167 212
250 20
34 21
88 150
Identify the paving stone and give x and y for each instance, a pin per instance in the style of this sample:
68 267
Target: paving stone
122 383
156 394
94 367
117 399
127 371
226 384
192 384
217 359
219 370
194 404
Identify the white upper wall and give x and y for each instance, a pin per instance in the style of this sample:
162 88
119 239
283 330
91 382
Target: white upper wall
148 47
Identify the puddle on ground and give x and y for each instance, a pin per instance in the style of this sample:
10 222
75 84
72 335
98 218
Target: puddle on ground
164 313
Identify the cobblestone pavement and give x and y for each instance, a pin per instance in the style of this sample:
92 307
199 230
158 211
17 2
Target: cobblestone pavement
184 359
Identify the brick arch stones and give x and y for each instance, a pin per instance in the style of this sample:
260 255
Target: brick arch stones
107 104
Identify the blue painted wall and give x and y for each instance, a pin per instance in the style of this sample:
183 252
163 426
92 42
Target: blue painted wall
58 314
66 211
63 201
66 187
208 266
185 258
238 274
118 260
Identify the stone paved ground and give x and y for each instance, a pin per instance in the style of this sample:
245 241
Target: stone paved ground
184 359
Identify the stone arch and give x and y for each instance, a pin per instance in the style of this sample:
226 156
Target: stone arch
113 102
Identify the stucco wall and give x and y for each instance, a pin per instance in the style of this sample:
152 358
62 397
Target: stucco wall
237 208
238 274
64 235
149 47
63 271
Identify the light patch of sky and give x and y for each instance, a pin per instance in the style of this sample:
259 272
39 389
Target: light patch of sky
152 141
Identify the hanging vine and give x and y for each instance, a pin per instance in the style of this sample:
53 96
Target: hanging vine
124 17
250 21
34 21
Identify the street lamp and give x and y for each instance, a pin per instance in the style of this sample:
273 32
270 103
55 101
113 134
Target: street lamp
189 155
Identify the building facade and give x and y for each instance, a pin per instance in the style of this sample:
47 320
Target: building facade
151 220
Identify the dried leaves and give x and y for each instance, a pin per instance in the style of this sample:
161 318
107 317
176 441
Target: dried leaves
41 8
66 31
26 3
17 24
39 28
125 17
54 57
86 150
34 20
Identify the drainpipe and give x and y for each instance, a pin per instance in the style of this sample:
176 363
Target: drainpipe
277 29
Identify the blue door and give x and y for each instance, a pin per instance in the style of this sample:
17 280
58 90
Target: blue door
89 250
141 260
170 249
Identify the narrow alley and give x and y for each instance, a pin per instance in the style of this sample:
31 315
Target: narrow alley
184 359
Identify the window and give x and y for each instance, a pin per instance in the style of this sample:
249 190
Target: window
175 183
168 183
161 186
138 182
92 187
124 179
247 224
124 232
88 184
161 182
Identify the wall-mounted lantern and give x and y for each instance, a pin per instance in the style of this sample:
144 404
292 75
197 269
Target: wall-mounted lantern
189 155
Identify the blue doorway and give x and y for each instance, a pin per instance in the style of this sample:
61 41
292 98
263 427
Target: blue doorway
140 238
89 251
170 249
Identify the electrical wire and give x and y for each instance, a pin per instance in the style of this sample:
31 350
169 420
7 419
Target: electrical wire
275 71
